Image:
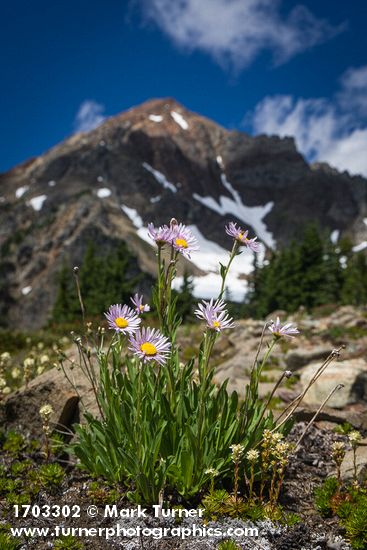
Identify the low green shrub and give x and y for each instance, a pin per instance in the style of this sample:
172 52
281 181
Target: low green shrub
51 476
8 542
228 545
68 543
349 504
323 496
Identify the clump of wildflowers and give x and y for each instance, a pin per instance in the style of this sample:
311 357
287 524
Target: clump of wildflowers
268 443
122 319
274 459
240 236
280 458
278 330
152 408
150 345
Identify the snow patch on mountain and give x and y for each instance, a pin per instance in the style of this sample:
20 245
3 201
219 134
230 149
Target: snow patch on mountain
37 202
155 118
161 178
208 258
133 215
249 215
220 162
137 221
104 192
26 290
21 190
179 119
153 200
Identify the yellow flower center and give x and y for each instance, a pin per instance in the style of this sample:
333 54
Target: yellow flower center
216 324
121 322
148 348
182 243
141 307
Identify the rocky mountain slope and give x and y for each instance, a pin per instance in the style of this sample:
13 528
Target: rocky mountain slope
150 163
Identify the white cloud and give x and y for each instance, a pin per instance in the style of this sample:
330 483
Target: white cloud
325 130
234 32
354 90
89 116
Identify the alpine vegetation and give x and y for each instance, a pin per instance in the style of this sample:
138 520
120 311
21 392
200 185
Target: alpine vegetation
165 429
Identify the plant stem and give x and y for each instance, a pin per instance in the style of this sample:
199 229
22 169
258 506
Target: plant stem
355 477
269 400
231 258
236 481
297 401
252 477
338 387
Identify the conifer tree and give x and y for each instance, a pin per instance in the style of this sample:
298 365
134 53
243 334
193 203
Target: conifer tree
354 290
104 280
308 273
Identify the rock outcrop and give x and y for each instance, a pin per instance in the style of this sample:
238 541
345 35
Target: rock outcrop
352 373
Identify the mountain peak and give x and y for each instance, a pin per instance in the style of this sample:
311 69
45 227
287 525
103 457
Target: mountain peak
153 162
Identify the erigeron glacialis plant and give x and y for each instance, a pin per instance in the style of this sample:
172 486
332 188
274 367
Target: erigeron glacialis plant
164 426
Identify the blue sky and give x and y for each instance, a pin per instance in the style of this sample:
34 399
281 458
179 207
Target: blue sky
263 66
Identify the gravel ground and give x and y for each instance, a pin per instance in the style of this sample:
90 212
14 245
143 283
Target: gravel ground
307 469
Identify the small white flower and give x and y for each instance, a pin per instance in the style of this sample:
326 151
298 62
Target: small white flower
354 437
237 452
29 362
252 455
46 412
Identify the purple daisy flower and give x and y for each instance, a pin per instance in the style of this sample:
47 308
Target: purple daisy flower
279 330
122 319
161 235
240 235
215 307
150 345
214 314
183 240
138 303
